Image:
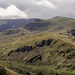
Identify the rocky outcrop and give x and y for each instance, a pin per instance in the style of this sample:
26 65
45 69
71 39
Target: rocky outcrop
23 49
29 48
34 59
71 32
10 52
44 42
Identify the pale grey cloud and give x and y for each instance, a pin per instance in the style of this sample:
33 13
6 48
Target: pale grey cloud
45 3
43 8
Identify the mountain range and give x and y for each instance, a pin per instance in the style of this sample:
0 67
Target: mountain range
13 23
38 47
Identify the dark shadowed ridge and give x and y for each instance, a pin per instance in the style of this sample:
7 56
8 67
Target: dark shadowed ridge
56 24
13 23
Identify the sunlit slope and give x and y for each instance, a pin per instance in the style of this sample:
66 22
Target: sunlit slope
11 34
45 48
49 52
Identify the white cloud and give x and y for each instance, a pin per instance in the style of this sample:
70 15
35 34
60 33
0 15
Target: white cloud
43 8
12 12
45 3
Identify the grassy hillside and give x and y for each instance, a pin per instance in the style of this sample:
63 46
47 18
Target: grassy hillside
40 49
56 24
43 47
10 35
6 71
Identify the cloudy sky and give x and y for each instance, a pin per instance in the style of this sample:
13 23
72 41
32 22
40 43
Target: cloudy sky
36 8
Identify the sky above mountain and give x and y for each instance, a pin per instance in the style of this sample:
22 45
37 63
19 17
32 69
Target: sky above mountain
36 8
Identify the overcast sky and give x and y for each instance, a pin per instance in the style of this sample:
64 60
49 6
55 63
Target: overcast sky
37 8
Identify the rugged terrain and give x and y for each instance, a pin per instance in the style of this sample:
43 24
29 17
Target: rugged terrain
13 23
42 47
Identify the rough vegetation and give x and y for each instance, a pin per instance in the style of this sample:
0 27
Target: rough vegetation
28 52
6 71
56 24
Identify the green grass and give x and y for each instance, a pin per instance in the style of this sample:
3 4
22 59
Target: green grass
56 24
33 70
54 54
6 71
14 43
51 53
